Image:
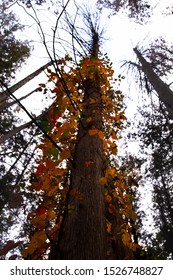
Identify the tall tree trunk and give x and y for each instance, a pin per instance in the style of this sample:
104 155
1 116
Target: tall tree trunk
83 231
165 94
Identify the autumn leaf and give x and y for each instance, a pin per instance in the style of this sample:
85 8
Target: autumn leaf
51 214
41 169
126 238
114 150
59 172
101 134
108 198
89 120
111 172
88 163
93 131
92 100
41 211
50 164
65 154
52 191
108 226
103 180
111 208
37 241
40 222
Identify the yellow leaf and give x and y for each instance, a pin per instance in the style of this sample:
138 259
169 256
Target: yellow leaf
103 180
51 214
40 222
126 238
38 239
108 226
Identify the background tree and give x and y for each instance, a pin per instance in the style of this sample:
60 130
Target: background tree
15 154
13 52
140 10
155 132
155 136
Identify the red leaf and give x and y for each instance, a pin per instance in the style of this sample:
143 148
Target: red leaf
50 164
41 212
40 169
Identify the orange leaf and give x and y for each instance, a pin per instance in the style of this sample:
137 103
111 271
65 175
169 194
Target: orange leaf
108 226
88 163
92 100
40 222
88 120
59 172
93 131
37 241
108 198
101 134
111 172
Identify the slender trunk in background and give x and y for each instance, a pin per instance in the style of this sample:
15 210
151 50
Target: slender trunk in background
12 89
165 94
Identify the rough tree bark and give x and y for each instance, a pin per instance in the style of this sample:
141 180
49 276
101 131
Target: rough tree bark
83 232
165 94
